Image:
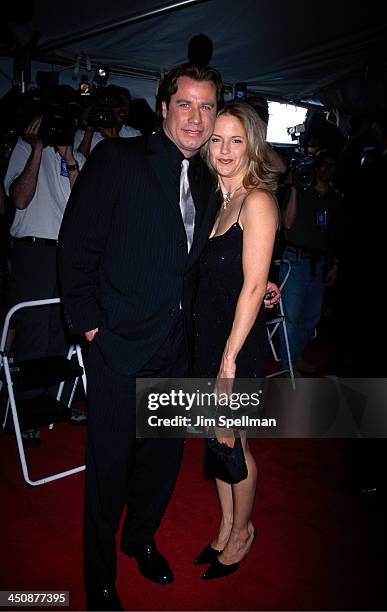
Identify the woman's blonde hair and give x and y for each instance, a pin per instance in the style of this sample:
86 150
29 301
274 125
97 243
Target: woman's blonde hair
260 172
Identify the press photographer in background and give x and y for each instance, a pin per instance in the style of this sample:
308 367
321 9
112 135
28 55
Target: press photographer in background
308 218
41 172
105 116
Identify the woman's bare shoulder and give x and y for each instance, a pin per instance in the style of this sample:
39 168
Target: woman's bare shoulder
260 201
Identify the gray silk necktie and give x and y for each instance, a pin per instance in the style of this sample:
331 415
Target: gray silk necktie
187 206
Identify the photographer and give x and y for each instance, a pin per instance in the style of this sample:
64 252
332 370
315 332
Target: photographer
308 219
106 119
39 179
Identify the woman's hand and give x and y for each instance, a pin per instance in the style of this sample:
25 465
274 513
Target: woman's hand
225 436
331 277
273 295
223 387
89 335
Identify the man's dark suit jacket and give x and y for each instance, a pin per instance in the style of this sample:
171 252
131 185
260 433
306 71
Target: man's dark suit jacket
123 261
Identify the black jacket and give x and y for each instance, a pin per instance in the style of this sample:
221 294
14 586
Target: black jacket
123 262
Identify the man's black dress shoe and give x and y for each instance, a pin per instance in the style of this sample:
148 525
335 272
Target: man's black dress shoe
152 564
103 599
219 570
207 555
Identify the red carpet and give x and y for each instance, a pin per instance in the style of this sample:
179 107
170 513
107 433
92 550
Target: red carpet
317 548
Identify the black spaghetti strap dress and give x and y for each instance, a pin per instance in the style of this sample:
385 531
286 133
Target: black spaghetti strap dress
220 283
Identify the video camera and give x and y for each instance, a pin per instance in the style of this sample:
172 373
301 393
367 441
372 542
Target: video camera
302 165
60 112
58 106
100 100
101 110
57 129
303 169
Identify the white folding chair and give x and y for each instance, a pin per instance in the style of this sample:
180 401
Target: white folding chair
62 370
273 326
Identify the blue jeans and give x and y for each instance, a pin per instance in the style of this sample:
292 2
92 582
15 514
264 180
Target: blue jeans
302 298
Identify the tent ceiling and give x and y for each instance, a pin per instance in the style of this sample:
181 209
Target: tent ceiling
291 50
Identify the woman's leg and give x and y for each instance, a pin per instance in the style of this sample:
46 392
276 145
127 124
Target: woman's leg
242 532
226 504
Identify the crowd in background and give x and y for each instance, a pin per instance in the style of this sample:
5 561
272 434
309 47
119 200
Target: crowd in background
331 226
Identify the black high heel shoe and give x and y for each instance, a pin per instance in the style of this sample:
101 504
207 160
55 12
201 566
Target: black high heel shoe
208 555
219 570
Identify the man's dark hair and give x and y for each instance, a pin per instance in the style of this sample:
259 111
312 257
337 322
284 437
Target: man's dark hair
168 86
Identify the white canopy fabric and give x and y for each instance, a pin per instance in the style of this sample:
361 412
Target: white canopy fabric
294 51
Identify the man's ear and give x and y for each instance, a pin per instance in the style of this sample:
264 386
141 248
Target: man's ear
164 109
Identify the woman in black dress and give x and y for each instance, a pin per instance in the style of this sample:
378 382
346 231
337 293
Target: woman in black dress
231 337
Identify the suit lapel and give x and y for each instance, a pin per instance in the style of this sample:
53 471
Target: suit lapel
203 195
159 162
205 216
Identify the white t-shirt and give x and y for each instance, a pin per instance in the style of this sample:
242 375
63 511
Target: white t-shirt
43 216
125 132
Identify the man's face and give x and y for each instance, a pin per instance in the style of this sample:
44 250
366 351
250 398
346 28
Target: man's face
327 171
189 120
121 112
119 116
312 149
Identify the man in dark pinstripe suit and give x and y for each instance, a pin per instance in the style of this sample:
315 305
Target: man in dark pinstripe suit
127 282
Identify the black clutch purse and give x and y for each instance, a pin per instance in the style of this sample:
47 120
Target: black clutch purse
225 462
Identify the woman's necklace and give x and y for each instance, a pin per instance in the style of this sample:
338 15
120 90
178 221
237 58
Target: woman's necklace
228 195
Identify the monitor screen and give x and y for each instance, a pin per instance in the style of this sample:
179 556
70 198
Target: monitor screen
281 117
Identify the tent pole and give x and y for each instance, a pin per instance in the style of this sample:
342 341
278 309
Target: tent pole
22 63
114 25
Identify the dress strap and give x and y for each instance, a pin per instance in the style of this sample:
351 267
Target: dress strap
240 210
258 189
